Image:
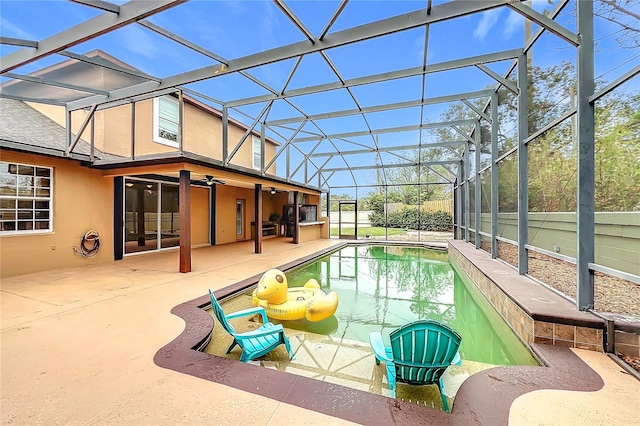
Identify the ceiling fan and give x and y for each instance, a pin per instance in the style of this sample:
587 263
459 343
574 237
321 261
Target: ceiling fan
210 180
273 190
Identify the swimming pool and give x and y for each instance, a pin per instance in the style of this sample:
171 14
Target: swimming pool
380 288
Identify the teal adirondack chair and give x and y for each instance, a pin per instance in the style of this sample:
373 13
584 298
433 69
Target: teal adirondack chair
419 354
253 343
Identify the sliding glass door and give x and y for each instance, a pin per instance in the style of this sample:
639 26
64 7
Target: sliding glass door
151 216
170 217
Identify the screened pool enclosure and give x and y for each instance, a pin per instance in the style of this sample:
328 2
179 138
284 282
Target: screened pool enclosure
511 125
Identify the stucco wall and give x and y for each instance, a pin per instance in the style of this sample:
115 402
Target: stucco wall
199 216
82 200
226 197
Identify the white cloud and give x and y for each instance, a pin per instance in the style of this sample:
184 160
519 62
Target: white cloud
487 21
11 30
138 41
514 23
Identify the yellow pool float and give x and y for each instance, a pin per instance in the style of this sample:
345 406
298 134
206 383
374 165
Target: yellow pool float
283 303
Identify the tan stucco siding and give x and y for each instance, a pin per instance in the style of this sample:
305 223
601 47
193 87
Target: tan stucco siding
314 199
270 152
311 233
82 200
202 132
243 156
199 216
270 205
226 197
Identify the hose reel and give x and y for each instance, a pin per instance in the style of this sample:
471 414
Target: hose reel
89 245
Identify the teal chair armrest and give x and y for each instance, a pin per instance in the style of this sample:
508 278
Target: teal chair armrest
251 311
456 359
276 329
378 348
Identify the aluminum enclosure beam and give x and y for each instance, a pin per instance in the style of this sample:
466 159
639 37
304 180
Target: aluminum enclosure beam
478 189
466 170
101 24
40 80
296 21
494 176
333 19
614 84
83 126
364 32
386 130
386 149
107 64
523 161
390 166
387 76
100 4
383 107
497 77
586 159
544 21
11 41
478 111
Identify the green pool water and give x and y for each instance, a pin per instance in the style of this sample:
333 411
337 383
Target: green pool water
381 288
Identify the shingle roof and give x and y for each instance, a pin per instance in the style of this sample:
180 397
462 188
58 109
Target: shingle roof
24 128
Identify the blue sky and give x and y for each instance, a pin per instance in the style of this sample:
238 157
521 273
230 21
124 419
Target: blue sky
239 28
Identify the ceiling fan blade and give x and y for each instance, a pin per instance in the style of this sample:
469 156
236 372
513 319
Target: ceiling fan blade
208 179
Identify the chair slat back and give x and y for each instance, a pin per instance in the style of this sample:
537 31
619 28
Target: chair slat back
219 313
422 350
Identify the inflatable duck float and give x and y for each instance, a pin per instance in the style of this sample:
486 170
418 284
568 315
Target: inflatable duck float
283 303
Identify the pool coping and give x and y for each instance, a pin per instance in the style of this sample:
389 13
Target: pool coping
473 404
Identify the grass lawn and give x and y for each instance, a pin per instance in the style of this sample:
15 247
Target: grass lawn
373 231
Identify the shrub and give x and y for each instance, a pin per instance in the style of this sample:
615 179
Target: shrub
412 219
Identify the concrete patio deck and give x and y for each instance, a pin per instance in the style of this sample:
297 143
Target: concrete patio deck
77 347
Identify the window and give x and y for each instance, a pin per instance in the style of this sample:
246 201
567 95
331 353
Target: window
257 153
25 198
166 117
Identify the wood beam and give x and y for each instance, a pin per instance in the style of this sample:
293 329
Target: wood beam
258 217
296 218
185 221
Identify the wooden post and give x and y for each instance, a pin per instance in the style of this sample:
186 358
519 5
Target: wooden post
258 217
296 218
185 221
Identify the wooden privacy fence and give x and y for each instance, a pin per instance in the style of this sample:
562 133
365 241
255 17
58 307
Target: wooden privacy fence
438 205
428 206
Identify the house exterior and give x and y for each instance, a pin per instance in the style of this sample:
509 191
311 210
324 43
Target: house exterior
146 176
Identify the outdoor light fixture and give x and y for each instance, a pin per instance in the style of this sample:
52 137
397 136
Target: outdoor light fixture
273 191
128 184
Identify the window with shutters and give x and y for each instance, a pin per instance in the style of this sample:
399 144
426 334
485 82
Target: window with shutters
166 117
257 153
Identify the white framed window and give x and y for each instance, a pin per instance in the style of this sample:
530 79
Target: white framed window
256 153
25 198
166 118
